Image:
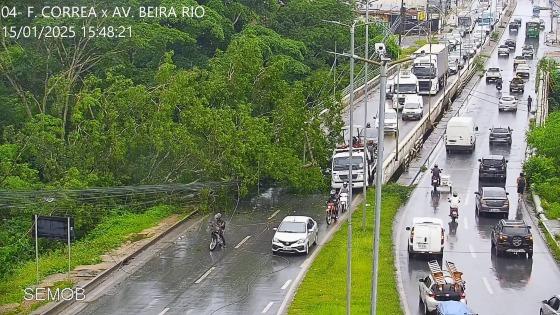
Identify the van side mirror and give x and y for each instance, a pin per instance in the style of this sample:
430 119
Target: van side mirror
421 280
476 128
545 301
529 227
476 193
507 161
407 228
507 194
479 160
275 229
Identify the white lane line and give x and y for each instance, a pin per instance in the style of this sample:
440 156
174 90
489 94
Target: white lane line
267 307
242 241
273 215
286 284
204 275
465 223
487 285
164 311
471 249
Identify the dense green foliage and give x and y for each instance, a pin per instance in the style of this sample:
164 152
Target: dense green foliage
543 169
233 96
323 288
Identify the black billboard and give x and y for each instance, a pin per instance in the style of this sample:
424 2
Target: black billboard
53 227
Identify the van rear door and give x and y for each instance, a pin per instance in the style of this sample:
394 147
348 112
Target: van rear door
427 238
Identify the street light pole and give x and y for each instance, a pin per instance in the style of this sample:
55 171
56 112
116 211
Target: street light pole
349 235
365 115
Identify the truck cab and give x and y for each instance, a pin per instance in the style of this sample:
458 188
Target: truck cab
405 83
362 160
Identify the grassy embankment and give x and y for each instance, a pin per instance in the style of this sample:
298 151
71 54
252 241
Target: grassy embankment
323 289
108 235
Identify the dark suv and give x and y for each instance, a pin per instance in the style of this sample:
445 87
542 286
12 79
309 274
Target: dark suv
493 167
492 200
500 135
512 236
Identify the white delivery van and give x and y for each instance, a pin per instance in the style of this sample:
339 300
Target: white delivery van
427 236
460 134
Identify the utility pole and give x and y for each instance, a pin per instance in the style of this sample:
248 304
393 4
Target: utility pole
350 190
398 131
403 21
365 116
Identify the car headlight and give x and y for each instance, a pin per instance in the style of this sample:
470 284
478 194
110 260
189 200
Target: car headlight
301 241
275 240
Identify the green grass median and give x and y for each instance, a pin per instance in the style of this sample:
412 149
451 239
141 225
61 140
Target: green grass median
323 290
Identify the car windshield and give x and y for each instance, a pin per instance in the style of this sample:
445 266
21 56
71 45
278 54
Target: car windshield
292 227
407 88
499 130
390 115
424 70
412 105
492 162
515 230
494 193
493 69
503 46
343 163
507 98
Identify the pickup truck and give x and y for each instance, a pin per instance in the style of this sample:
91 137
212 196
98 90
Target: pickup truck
503 50
528 52
493 74
511 44
516 85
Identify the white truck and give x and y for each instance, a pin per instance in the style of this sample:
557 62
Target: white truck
430 68
403 84
341 160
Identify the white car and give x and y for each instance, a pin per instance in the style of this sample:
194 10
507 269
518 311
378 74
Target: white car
390 124
522 71
441 285
413 107
427 236
507 102
295 235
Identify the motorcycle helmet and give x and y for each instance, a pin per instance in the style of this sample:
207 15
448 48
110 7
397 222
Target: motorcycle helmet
345 184
454 194
218 216
435 166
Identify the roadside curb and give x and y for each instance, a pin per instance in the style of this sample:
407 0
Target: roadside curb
539 211
288 299
58 307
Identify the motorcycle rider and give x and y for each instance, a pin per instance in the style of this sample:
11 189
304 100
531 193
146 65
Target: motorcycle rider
344 188
499 84
454 202
333 200
436 173
220 225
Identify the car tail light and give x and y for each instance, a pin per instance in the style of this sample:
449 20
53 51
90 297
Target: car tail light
431 294
463 295
483 202
503 237
411 235
442 236
529 237
506 203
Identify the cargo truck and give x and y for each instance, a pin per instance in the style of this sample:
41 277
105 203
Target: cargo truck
430 68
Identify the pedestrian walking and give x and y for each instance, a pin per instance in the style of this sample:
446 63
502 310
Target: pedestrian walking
521 182
529 102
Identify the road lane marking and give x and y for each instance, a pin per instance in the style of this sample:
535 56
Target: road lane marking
487 285
286 284
242 241
204 275
164 311
273 215
465 223
471 249
268 306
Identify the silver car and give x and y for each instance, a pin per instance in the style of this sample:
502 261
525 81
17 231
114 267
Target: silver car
551 306
295 235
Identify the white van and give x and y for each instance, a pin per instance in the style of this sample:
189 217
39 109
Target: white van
427 237
460 134
413 107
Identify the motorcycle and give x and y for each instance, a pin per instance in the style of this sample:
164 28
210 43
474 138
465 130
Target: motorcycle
435 183
343 202
453 211
331 214
216 237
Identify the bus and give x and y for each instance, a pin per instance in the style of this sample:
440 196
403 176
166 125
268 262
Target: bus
466 21
532 28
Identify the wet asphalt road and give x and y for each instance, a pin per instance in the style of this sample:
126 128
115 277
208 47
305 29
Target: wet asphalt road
495 286
243 280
